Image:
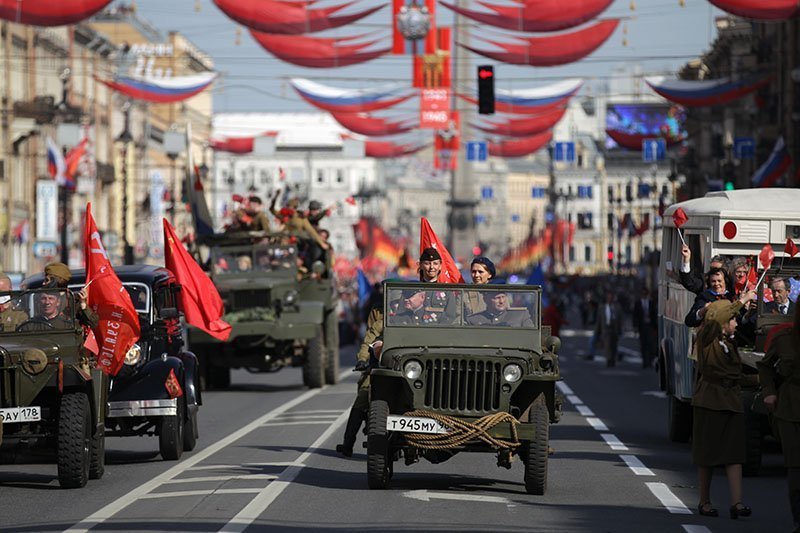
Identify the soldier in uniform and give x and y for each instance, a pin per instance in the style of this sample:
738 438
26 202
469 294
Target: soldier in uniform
316 213
497 313
10 318
779 374
482 271
57 275
258 218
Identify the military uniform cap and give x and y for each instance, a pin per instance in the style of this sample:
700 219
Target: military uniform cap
408 293
313 204
58 270
721 311
430 254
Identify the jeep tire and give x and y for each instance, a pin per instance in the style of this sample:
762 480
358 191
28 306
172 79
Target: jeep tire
74 440
379 467
97 457
535 452
170 434
314 364
190 432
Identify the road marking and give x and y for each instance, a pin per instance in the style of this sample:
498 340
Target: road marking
583 410
636 465
157 495
106 512
655 393
315 412
569 332
614 442
244 465
267 495
574 400
279 423
692 528
427 495
632 353
221 478
671 502
563 387
597 424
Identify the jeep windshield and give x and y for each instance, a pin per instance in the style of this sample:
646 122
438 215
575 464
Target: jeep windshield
489 306
36 310
258 258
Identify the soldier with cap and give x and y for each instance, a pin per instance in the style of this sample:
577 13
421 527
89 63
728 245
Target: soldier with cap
497 313
10 317
57 275
255 210
316 213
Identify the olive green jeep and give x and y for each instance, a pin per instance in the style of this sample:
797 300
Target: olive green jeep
51 397
463 368
281 313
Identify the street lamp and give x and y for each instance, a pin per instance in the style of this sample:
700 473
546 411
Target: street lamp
125 139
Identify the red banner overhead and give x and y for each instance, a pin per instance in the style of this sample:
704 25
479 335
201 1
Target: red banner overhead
760 9
370 126
520 147
536 15
49 12
289 18
319 52
388 149
524 127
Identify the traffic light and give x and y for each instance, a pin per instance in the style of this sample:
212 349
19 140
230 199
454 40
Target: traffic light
729 186
486 89
610 257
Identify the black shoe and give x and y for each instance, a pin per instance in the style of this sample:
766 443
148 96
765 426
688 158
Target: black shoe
351 432
705 509
740 509
344 450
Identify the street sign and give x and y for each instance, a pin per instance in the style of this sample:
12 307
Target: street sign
476 151
46 210
653 150
434 108
564 152
744 148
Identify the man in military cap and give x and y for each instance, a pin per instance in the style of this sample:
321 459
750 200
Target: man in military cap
430 265
316 213
10 318
258 218
57 275
497 313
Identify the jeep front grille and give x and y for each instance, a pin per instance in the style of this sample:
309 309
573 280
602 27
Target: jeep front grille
462 385
250 298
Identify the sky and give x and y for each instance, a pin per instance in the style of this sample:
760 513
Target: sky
661 36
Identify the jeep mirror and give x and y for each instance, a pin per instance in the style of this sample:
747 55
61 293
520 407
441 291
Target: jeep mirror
168 313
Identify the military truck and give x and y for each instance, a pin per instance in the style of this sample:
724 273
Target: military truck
51 396
282 313
463 368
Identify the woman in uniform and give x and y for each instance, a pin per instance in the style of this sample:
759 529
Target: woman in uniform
482 271
718 431
779 374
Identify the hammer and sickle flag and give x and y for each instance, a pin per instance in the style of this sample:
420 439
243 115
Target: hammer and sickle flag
118 328
202 304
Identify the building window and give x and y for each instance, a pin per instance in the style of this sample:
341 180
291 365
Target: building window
265 177
572 254
610 193
644 190
320 175
514 218
587 254
584 191
339 176
610 223
665 190
480 219
585 220
629 193
537 192
487 193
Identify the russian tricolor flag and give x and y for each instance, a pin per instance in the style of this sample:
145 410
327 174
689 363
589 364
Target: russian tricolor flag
774 167
56 166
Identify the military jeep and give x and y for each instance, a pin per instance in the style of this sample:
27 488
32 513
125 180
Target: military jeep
157 390
51 396
282 312
462 368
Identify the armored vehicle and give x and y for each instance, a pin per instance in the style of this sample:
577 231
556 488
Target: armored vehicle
51 396
157 391
463 368
282 313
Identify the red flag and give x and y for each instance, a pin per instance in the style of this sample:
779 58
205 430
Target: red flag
766 256
202 304
428 239
679 217
172 385
119 324
350 200
790 248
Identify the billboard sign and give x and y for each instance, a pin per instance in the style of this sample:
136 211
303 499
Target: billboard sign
434 108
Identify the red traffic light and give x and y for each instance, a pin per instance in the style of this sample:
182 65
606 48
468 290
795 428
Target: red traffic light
484 73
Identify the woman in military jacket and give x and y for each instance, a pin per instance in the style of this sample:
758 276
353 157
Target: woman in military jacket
718 430
779 374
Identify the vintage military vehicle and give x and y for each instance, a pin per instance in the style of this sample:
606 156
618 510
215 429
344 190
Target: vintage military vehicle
51 397
282 311
463 368
157 391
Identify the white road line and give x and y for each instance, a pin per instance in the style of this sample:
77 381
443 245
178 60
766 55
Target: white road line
157 495
614 442
279 423
671 502
315 412
636 465
628 351
259 504
103 514
597 424
693 528
221 478
292 416
583 410
244 465
563 387
574 400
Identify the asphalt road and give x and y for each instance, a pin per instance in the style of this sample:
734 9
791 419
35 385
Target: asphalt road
266 460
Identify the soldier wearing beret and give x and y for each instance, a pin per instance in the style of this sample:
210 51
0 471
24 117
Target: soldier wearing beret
10 318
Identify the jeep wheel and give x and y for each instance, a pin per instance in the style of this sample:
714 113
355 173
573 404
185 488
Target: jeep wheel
535 451
97 458
314 365
190 432
379 466
332 345
170 434
74 440
679 418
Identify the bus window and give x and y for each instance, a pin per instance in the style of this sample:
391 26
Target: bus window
696 247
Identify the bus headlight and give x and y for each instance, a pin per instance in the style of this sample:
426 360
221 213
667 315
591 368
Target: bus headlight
134 355
512 373
412 369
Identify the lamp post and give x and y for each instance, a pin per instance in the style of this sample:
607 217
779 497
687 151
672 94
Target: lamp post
67 114
125 139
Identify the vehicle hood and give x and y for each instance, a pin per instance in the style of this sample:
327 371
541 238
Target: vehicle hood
18 344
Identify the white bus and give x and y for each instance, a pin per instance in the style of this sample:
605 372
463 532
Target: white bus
731 224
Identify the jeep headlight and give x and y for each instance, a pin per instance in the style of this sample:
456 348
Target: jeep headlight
512 373
134 355
412 369
290 298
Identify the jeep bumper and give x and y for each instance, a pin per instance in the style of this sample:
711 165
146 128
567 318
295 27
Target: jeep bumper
142 408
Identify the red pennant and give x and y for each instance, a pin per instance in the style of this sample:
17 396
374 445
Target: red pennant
766 256
118 328
91 342
172 385
679 217
790 248
350 200
429 239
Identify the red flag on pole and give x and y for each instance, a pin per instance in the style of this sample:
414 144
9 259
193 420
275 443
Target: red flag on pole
790 248
118 328
679 217
766 256
202 304
428 239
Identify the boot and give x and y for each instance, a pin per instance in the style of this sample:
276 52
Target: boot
350 432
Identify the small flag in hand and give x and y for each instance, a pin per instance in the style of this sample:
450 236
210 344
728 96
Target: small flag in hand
679 217
790 248
350 200
766 256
